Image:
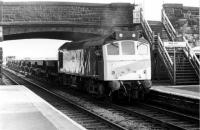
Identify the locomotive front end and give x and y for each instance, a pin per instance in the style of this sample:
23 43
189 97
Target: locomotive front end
127 60
127 64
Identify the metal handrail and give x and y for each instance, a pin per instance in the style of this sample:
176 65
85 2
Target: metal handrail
166 22
165 50
166 58
146 27
162 50
192 57
188 50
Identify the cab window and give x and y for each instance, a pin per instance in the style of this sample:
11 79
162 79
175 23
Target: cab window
113 49
142 49
128 48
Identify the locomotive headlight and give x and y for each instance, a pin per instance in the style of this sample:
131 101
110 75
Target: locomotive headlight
133 35
120 35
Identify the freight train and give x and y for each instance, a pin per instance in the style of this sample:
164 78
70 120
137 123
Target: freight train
46 69
119 63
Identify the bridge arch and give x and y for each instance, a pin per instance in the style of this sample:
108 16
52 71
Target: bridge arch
63 20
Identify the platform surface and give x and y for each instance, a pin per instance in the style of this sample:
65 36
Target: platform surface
189 91
21 109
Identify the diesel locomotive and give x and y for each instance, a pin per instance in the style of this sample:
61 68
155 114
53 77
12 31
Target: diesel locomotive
103 65
119 63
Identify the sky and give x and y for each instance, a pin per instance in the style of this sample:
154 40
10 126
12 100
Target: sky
46 48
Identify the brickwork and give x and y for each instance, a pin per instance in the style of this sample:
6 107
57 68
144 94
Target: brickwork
81 18
185 20
67 13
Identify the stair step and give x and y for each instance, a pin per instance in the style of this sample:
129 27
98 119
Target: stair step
179 65
184 65
183 59
176 51
191 70
184 69
184 73
177 56
191 77
187 77
179 74
187 83
187 64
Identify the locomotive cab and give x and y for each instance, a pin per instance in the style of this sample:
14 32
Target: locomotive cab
127 60
127 64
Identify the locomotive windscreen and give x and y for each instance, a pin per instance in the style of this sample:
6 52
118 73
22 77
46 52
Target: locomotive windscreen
128 48
125 47
113 48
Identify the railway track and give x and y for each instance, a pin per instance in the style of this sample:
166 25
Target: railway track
142 116
79 114
167 118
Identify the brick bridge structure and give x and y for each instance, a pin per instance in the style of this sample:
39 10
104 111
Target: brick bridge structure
63 20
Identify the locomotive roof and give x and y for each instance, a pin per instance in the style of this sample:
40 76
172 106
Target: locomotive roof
84 43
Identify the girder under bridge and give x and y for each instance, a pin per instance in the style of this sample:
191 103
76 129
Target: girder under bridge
63 20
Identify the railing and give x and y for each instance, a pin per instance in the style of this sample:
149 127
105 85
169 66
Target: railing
146 27
162 50
166 58
192 58
188 50
168 26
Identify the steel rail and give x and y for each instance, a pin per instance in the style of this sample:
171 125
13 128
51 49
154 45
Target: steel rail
155 115
104 121
167 118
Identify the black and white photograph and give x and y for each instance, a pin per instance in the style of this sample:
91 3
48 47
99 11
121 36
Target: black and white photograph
99 65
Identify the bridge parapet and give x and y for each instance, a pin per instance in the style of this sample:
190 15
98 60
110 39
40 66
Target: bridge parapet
63 20
66 13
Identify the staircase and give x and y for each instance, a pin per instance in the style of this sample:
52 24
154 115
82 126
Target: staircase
158 29
184 72
159 69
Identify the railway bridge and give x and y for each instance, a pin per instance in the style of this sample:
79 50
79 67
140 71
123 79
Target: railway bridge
63 20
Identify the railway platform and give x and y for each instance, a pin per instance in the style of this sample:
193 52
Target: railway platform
188 91
21 109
